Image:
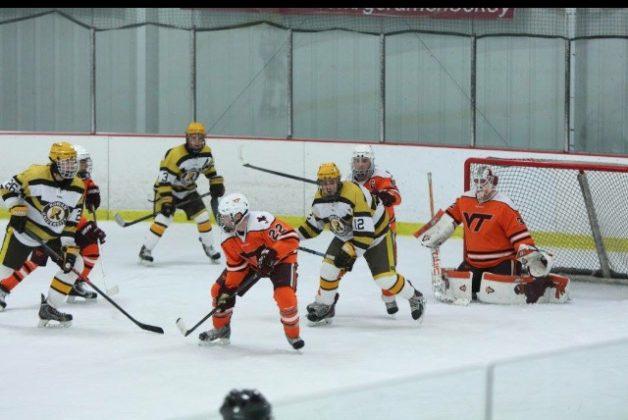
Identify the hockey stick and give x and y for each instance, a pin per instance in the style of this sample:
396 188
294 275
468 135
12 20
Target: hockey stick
120 221
244 286
437 274
114 290
298 178
57 258
311 251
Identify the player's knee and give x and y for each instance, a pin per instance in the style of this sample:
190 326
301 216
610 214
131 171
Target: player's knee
285 297
5 271
387 281
163 220
329 271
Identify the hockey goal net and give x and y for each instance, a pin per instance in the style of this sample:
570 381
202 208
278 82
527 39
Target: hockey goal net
578 211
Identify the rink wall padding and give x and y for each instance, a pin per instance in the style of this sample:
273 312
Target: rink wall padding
126 166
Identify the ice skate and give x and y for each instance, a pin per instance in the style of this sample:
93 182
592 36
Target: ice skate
3 295
78 290
417 306
216 336
47 314
210 251
391 307
320 313
296 343
145 256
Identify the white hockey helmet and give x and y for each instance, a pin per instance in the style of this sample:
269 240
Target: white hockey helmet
484 182
233 211
362 163
84 160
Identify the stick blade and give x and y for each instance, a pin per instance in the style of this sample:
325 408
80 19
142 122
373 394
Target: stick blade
181 327
119 220
151 328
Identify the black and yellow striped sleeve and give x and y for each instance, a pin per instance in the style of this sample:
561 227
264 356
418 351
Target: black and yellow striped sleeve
363 227
311 227
168 172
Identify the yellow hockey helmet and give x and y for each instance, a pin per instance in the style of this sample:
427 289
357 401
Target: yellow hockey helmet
328 178
63 157
327 170
195 128
195 137
61 150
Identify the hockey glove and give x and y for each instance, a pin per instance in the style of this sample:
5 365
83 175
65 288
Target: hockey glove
92 199
89 234
167 208
346 257
539 263
225 297
266 262
70 253
216 187
386 198
18 217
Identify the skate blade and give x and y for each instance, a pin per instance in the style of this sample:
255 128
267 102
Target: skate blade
2 308
214 261
80 300
217 342
49 323
146 263
322 322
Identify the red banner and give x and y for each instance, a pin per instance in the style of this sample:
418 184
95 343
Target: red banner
408 12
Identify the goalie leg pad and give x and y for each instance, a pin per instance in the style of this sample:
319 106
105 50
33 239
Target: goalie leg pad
458 285
509 290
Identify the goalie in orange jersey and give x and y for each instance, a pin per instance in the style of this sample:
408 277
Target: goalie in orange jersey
86 237
381 184
497 249
256 244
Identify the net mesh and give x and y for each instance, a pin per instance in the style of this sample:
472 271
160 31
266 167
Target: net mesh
526 21
552 204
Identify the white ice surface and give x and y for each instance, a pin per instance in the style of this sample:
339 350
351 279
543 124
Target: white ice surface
104 367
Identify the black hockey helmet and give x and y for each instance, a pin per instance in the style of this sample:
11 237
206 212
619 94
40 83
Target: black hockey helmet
245 404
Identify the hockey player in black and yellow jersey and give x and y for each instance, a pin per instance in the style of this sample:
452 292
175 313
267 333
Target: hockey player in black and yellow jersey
47 201
360 224
178 172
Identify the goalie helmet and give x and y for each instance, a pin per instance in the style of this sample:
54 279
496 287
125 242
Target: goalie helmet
63 158
484 183
245 404
84 162
362 163
233 211
195 137
328 179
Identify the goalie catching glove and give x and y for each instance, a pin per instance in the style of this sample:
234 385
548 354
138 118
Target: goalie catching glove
539 263
439 232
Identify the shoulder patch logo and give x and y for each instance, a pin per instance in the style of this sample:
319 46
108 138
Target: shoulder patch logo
56 213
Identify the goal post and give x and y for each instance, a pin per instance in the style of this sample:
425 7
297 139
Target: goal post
576 210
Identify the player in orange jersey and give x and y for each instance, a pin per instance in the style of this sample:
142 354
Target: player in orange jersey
255 243
382 185
497 247
86 237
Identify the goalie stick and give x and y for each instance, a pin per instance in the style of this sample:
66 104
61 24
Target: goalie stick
57 258
123 223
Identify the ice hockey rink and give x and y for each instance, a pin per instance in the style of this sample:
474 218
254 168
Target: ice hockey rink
548 361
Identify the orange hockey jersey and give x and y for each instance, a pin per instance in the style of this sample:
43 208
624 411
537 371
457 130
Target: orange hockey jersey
263 231
382 180
493 230
83 221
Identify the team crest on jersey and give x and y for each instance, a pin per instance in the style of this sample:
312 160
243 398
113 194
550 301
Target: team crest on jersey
189 177
337 226
56 213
